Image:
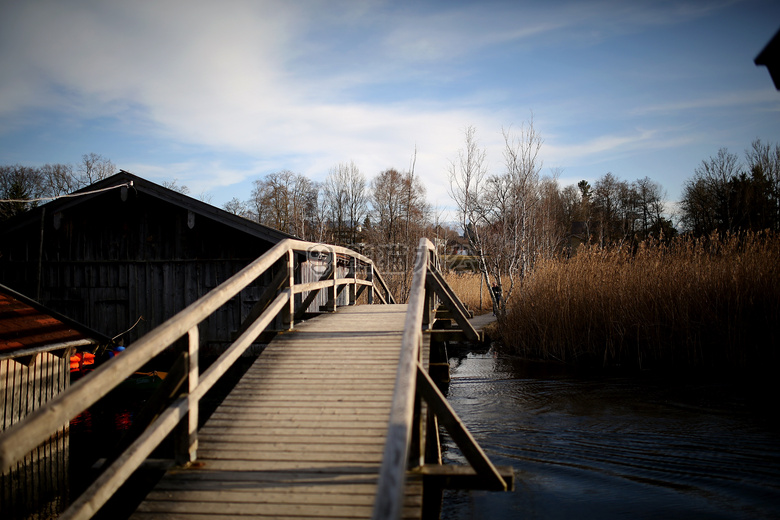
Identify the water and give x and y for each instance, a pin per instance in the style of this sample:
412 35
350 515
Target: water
608 447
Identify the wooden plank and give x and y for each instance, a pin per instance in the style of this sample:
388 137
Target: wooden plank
293 430
308 423
231 510
276 446
359 496
302 440
303 433
462 477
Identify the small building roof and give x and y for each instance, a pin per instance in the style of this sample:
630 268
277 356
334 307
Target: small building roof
141 185
27 328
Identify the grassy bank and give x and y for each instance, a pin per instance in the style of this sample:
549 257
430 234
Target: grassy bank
703 303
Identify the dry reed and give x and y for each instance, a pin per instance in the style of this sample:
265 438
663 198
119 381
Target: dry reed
692 302
467 286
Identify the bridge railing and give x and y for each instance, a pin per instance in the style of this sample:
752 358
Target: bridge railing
185 384
413 383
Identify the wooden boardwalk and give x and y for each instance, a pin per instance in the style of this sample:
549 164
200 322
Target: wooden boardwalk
302 434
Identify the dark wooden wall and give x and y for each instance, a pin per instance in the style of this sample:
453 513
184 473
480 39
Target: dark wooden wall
112 259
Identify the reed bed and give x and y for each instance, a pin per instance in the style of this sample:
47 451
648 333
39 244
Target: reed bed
466 286
712 302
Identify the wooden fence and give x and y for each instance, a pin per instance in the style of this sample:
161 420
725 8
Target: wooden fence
34 486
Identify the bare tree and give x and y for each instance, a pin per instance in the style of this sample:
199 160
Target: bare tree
286 201
707 196
467 188
58 179
521 152
175 186
237 207
387 197
346 201
206 196
500 214
94 167
398 218
651 199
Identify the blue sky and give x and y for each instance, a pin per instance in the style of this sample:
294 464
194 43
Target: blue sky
218 94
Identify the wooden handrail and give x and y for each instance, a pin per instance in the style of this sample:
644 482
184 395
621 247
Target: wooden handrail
411 381
24 436
392 475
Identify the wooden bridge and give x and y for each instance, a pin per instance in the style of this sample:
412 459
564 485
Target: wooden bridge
337 418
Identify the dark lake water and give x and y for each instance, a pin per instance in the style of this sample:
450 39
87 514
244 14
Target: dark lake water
609 447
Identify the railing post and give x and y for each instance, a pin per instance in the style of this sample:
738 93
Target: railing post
370 278
333 289
288 313
353 285
186 437
430 297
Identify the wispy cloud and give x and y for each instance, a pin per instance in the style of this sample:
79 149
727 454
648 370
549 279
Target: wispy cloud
720 100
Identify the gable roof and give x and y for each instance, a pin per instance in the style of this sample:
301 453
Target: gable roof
27 327
126 180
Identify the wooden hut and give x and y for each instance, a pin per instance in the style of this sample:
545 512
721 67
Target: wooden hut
35 347
126 254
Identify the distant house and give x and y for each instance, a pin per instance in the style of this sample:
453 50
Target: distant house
459 246
129 254
35 347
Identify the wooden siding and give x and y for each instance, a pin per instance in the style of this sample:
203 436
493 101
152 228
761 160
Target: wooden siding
109 262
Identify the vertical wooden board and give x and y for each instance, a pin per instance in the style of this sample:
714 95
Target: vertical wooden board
133 286
123 274
168 290
188 280
22 391
6 391
35 383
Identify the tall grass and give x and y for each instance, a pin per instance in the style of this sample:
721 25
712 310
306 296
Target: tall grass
466 285
693 302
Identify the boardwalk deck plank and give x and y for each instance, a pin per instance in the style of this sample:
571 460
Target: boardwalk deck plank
303 432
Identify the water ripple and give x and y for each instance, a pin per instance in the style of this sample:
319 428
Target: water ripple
613 447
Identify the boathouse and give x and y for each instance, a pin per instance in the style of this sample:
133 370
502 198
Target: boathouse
126 254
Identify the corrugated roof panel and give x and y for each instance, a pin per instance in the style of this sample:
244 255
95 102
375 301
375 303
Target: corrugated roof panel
23 327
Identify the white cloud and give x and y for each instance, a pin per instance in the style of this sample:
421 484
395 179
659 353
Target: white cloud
275 82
